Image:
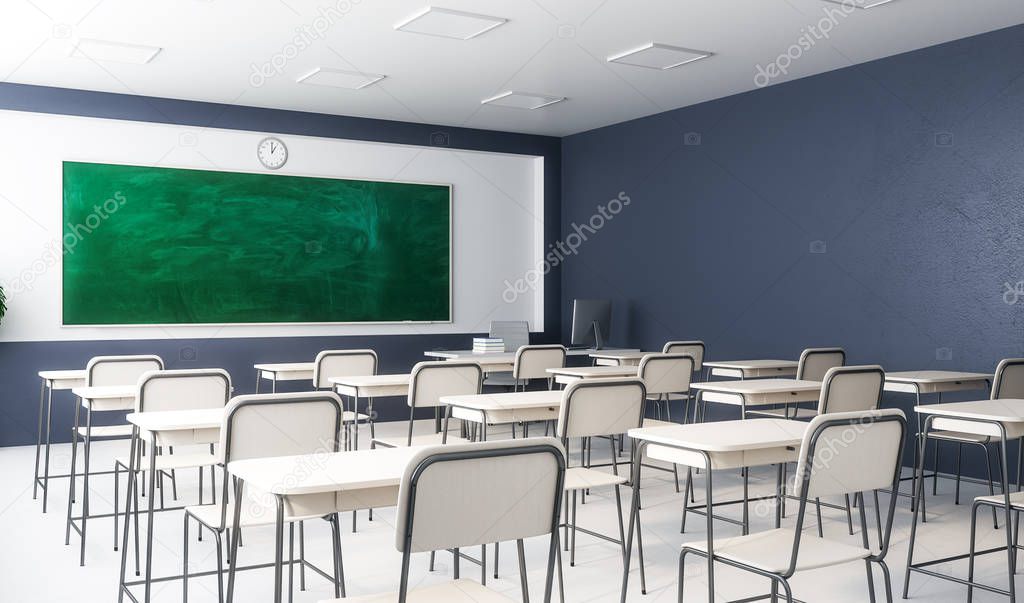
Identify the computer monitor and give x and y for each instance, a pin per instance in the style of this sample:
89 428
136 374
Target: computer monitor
591 322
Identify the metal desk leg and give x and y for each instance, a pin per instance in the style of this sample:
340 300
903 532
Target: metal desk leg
39 439
129 490
46 454
149 517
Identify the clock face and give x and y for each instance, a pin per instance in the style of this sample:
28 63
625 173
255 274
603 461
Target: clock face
272 153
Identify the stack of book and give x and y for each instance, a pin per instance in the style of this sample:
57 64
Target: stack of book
482 345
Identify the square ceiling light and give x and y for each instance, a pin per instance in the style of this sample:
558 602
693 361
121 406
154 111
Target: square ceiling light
860 3
116 52
337 78
654 55
449 23
522 100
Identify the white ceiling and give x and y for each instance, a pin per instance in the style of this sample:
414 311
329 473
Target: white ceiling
556 47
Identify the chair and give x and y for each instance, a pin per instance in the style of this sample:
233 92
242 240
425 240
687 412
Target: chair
596 408
813 364
695 349
101 371
190 389
265 426
514 334
1008 382
667 377
457 496
841 454
427 383
347 363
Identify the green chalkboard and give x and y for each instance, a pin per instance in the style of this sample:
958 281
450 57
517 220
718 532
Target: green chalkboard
155 245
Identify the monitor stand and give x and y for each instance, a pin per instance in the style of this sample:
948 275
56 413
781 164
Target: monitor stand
598 339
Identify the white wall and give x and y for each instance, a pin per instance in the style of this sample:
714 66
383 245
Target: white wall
497 220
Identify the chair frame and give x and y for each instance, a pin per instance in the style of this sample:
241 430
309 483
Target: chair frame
570 520
140 407
986 446
461 455
355 400
87 444
782 578
233 538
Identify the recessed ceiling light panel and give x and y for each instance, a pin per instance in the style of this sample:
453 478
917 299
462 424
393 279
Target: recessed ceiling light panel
654 55
449 23
336 78
860 3
522 100
117 52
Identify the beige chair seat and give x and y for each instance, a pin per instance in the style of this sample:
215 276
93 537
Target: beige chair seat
770 550
457 591
348 416
782 413
959 436
108 431
580 478
166 462
1016 500
655 397
431 439
658 423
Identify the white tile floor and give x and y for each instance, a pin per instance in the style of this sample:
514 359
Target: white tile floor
36 566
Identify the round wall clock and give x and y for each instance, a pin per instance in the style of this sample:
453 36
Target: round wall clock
272 153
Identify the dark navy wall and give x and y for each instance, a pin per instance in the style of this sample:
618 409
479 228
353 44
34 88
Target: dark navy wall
879 208
19 362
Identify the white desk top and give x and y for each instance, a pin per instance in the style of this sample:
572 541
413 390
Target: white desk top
372 380
63 375
490 358
752 364
620 354
506 401
177 420
1004 410
758 386
333 472
585 372
726 436
105 392
934 376
285 367
471 354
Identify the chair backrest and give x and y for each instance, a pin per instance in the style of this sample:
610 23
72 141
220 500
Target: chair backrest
514 333
851 389
462 495
1009 379
431 380
188 389
342 363
849 453
270 425
599 407
120 370
666 373
695 349
815 362
533 361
